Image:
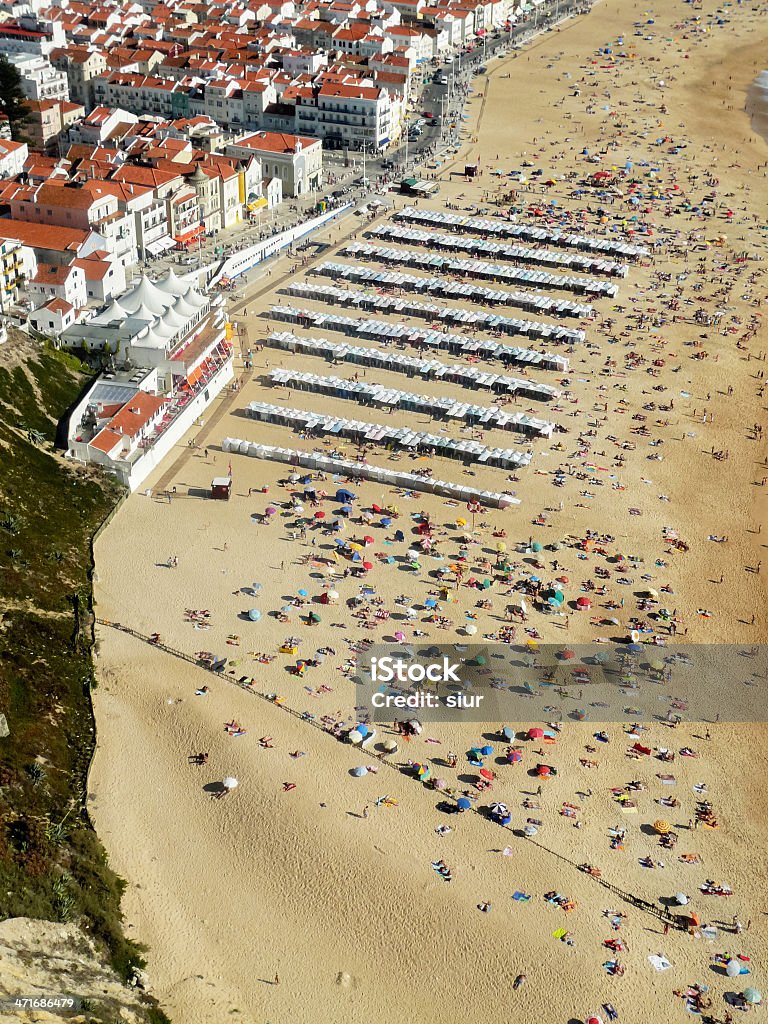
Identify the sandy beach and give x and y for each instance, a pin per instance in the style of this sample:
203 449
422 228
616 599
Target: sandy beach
311 894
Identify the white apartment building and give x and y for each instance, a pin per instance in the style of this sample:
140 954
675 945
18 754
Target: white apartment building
28 35
97 127
39 79
352 115
142 94
303 62
256 97
224 103
13 156
58 282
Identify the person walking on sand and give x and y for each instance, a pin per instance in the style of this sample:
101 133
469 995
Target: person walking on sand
277 979
519 980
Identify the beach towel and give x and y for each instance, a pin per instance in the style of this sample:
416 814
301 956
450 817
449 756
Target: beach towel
659 963
709 932
560 933
629 808
667 780
520 897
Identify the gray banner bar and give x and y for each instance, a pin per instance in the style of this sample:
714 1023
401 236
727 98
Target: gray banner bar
579 682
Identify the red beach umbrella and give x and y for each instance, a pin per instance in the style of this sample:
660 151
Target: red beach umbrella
319 515
487 774
536 733
583 602
367 566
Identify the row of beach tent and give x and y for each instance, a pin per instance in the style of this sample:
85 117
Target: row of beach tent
370 300
448 289
365 471
426 369
405 334
480 247
391 435
488 417
508 229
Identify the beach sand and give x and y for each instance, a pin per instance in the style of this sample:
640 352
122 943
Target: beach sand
345 908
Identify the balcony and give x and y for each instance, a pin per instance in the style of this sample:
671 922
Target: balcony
184 394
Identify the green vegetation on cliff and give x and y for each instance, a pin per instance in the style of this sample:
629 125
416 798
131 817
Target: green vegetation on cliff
52 865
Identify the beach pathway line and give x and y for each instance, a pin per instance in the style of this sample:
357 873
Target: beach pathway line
645 906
